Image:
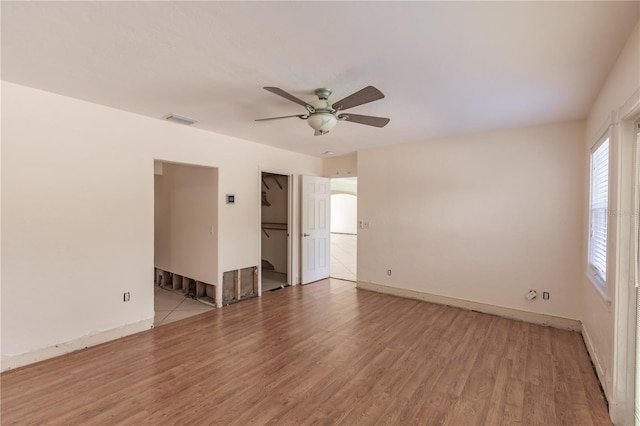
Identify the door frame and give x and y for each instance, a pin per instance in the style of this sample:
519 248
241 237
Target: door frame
290 218
622 408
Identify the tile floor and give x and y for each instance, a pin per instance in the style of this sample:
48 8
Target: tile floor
171 306
343 256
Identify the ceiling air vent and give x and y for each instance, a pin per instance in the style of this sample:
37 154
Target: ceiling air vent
180 119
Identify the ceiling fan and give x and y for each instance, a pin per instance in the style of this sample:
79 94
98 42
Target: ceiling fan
323 115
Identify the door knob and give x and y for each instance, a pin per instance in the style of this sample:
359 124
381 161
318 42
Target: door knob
306 235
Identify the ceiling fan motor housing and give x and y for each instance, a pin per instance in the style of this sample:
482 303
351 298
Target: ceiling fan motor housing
323 93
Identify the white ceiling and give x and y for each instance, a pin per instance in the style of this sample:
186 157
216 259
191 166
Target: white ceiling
446 68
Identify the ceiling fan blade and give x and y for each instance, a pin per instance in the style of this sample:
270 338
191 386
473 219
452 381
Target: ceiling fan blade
280 92
366 95
302 116
365 119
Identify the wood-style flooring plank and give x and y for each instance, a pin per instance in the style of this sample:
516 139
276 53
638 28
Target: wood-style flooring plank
324 353
539 397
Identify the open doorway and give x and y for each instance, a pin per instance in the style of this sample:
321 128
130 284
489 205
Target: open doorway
275 223
185 240
344 228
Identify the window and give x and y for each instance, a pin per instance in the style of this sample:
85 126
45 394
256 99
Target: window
599 197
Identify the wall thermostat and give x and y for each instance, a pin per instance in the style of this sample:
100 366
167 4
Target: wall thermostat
231 199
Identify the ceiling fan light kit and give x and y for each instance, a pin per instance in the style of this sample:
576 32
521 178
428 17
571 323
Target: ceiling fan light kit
322 122
323 116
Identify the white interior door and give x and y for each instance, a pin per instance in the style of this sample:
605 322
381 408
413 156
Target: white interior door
316 228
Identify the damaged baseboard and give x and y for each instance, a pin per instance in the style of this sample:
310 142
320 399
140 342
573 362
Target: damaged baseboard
532 317
83 342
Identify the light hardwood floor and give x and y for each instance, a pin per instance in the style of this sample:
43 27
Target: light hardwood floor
324 353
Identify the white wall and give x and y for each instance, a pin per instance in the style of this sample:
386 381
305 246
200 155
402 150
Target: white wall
623 80
598 314
481 218
341 166
77 215
186 221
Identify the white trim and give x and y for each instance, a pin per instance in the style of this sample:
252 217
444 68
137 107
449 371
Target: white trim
600 372
602 131
624 315
630 107
75 345
606 135
592 279
290 234
531 317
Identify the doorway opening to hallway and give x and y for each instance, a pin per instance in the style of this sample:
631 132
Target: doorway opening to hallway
344 228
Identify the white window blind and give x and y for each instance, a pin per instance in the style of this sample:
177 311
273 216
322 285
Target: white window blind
598 212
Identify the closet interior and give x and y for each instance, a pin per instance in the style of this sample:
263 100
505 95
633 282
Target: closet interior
275 231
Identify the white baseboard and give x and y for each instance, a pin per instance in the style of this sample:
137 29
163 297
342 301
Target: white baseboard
532 317
600 371
74 345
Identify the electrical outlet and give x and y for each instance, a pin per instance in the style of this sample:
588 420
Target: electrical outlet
364 224
127 296
545 295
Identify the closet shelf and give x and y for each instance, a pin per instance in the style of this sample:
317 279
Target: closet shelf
273 226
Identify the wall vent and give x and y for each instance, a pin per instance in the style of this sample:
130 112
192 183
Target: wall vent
180 119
